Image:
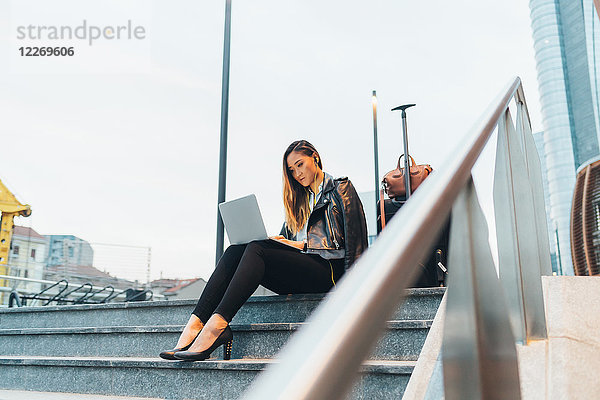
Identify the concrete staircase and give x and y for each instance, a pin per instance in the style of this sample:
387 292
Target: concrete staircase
112 349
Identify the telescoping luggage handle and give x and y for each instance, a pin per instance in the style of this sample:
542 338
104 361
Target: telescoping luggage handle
406 160
406 153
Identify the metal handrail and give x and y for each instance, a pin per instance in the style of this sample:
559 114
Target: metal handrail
36 296
97 292
114 294
60 298
18 278
79 300
14 296
321 361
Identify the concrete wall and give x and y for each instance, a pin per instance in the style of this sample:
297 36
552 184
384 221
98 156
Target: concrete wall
573 318
565 366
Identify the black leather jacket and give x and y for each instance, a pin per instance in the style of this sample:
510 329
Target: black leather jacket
336 226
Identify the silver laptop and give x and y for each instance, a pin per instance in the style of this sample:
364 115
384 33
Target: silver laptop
243 221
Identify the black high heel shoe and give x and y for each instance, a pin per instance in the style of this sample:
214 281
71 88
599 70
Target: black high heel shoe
225 339
168 354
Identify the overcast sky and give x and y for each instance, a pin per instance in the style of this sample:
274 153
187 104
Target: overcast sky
119 143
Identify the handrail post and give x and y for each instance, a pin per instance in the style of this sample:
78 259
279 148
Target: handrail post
517 235
506 233
14 296
534 170
478 351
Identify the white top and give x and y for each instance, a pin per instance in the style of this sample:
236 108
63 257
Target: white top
312 200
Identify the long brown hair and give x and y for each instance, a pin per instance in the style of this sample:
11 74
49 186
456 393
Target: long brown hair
295 196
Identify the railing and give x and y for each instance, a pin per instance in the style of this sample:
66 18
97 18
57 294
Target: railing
479 355
88 293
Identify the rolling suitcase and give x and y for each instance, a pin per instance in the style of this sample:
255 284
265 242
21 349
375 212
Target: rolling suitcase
433 269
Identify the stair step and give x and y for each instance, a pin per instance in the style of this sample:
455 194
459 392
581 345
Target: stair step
420 304
112 349
31 395
403 340
211 379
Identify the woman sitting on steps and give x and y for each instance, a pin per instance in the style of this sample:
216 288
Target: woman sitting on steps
325 221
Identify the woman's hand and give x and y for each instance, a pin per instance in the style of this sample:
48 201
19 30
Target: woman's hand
282 239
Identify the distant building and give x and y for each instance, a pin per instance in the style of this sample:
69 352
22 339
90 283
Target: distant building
552 229
585 220
170 287
190 288
162 284
27 257
566 36
187 289
69 250
80 274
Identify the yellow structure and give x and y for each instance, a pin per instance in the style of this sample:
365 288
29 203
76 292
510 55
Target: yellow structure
10 208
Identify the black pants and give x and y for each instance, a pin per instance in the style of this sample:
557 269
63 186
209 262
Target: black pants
283 270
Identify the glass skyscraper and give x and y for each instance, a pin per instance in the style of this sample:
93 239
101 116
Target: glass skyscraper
566 36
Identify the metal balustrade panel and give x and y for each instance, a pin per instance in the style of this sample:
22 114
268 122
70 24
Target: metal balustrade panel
506 234
479 353
524 217
534 169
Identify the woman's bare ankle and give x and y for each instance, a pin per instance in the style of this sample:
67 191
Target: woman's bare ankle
217 321
191 330
194 322
211 331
